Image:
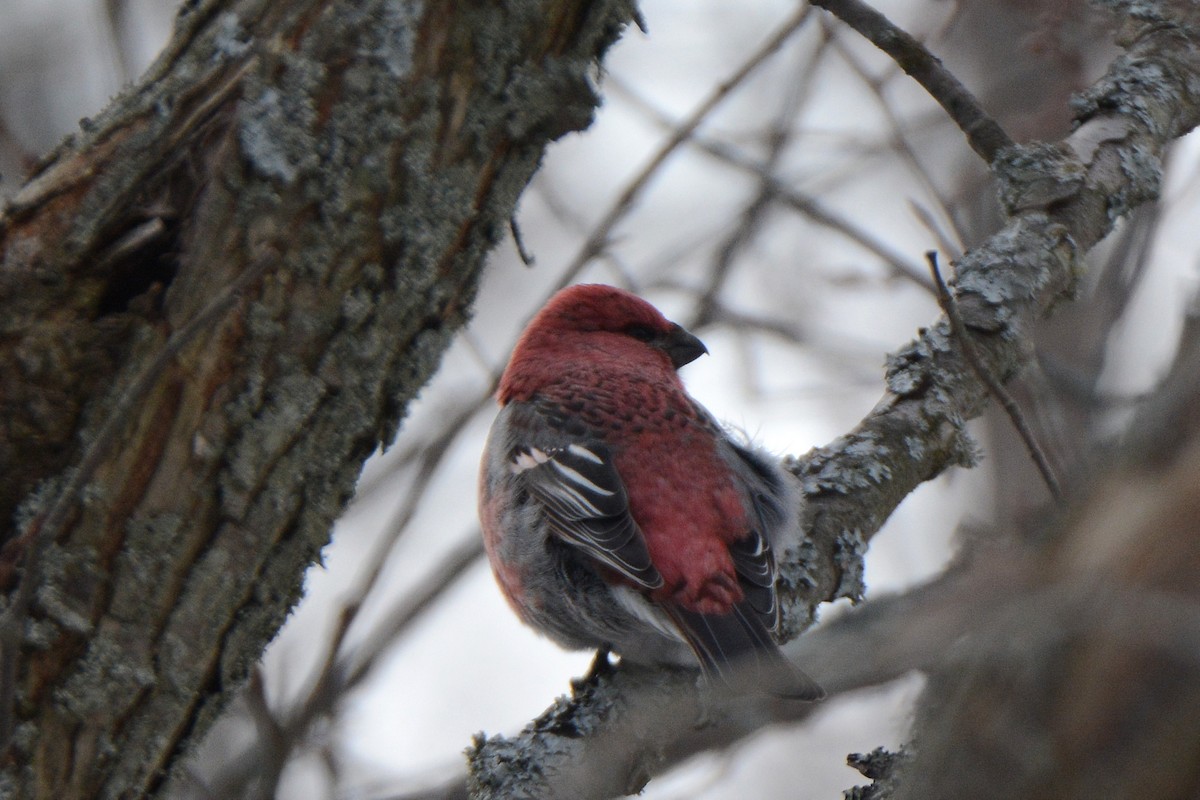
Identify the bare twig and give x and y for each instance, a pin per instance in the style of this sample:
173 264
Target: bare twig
900 142
750 222
926 217
115 14
805 204
994 387
271 741
418 449
519 242
822 215
984 134
600 234
356 666
342 670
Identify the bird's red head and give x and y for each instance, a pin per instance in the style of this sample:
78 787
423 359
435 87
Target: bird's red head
597 312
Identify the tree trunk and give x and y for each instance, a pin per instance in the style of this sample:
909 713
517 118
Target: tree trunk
219 298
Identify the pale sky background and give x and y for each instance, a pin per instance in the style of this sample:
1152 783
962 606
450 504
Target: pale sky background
470 666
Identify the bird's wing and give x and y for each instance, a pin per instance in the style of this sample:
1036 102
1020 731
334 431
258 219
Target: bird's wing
755 566
752 555
572 476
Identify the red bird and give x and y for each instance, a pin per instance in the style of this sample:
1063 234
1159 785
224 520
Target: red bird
618 514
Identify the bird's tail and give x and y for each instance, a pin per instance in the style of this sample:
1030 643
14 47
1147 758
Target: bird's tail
736 650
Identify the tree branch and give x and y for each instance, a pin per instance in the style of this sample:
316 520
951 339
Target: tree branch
963 337
984 134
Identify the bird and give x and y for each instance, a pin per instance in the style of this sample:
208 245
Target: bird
618 514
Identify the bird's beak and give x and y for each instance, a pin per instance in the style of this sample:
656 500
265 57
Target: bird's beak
682 347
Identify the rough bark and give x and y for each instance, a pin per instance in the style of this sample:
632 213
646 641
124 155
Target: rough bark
218 299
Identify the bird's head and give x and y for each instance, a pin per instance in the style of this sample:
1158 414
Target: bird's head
594 327
591 307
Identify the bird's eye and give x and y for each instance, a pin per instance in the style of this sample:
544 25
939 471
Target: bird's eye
640 332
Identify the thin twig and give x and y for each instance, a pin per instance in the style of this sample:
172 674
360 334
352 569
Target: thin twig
926 218
45 528
356 665
519 242
959 329
599 237
805 204
779 135
114 14
342 671
427 454
900 142
273 746
983 133
822 215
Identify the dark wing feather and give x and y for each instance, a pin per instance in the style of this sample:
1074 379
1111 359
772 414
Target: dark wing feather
582 496
752 555
755 566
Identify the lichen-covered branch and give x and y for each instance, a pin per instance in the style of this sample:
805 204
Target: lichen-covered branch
1062 198
357 160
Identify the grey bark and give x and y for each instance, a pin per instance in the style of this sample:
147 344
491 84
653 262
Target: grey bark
219 298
